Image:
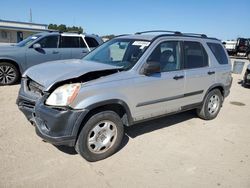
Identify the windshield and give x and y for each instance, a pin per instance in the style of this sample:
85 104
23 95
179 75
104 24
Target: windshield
123 53
28 40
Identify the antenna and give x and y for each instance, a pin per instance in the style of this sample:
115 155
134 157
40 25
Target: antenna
30 15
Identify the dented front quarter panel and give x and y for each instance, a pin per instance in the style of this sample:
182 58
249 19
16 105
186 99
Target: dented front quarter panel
112 87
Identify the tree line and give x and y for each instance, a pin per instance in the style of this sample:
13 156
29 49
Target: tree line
64 28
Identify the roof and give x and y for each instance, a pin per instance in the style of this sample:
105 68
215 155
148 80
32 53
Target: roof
8 21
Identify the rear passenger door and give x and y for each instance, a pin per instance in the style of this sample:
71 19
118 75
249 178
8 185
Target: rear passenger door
199 72
71 47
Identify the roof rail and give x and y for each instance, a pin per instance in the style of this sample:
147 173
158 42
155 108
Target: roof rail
195 34
159 31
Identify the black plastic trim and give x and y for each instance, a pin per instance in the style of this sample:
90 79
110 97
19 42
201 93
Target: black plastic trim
113 101
182 109
169 98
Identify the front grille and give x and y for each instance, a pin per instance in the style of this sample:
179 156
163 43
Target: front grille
35 88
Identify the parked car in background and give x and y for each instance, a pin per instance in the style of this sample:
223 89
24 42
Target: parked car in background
246 79
129 79
230 46
240 47
40 48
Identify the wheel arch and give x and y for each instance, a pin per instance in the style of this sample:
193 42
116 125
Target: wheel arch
221 87
116 105
12 62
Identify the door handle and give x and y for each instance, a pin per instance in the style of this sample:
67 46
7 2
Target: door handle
210 72
55 52
178 77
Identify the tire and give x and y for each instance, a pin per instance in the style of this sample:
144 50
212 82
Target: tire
100 137
211 105
9 74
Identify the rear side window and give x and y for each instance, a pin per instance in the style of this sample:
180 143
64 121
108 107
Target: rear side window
70 42
195 55
49 42
218 52
82 43
91 42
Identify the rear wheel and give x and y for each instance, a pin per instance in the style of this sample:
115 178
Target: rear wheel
9 74
100 137
211 105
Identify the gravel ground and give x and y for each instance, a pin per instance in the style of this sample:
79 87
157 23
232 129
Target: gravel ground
176 151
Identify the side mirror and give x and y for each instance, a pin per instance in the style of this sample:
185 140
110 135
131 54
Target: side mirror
151 67
37 46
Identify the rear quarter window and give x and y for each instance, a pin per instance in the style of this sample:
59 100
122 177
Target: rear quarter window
92 43
218 52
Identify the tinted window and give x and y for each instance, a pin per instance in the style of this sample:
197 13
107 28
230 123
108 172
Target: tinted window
82 43
91 42
70 42
218 52
49 42
168 54
195 55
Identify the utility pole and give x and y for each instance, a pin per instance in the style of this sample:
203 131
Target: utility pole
30 15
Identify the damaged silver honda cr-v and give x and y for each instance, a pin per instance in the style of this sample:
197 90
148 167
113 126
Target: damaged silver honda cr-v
86 103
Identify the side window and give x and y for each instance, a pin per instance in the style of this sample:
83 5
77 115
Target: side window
218 52
195 55
70 42
92 43
49 42
168 54
82 43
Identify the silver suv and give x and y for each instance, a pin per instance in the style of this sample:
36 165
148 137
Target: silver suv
131 78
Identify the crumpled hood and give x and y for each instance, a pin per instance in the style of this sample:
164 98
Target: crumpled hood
47 74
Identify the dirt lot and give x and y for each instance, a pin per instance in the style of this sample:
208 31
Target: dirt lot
175 151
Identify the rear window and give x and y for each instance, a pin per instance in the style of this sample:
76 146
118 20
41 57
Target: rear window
218 52
91 42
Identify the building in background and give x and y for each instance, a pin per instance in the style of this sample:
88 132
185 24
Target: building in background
14 32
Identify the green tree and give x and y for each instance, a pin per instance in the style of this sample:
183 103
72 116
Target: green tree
64 28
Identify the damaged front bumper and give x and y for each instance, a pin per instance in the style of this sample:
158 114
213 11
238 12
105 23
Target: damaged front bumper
58 126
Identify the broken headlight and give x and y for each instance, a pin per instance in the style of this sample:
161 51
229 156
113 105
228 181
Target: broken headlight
63 95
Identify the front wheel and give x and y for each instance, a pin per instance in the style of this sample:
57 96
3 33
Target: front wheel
211 105
9 74
100 137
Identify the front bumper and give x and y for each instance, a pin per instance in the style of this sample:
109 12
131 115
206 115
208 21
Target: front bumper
58 126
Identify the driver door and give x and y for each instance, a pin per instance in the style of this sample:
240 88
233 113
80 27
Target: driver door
49 51
160 93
